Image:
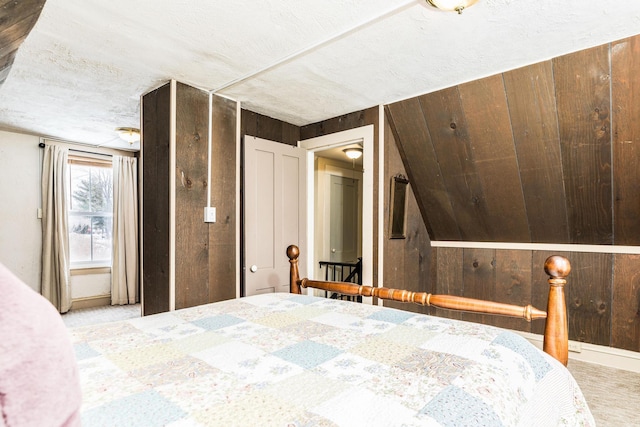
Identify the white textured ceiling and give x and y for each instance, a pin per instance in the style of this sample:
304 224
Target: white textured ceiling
81 71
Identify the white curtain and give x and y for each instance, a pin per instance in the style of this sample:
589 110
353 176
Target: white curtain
55 284
124 267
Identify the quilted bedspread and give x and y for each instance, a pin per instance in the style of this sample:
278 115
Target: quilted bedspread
294 360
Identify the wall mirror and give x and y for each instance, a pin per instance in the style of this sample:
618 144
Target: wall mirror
398 207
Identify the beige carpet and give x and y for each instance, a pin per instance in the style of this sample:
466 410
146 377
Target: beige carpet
612 394
95 315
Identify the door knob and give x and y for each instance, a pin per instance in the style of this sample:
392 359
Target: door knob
333 251
254 268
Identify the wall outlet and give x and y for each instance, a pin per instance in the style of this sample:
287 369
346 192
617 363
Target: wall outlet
575 346
209 214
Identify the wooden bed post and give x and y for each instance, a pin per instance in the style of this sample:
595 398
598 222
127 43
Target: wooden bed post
294 276
556 331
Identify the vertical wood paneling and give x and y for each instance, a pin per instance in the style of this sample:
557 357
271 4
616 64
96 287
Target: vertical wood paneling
447 126
625 92
513 285
192 233
582 84
406 261
449 266
626 303
589 297
485 109
222 233
155 200
416 150
479 278
532 108
265 127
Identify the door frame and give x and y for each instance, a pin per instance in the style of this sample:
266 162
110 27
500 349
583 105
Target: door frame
365 136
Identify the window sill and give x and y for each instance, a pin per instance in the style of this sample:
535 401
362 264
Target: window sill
85 270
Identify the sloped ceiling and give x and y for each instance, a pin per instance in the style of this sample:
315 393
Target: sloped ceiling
83 68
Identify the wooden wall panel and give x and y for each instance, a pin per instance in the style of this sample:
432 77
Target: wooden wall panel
265 127
447 126
416 150
625 92
532 108
485 107
155 204
479 278
625 331
582 82
589 297
406 261
191 186
449 266
512 285
222 234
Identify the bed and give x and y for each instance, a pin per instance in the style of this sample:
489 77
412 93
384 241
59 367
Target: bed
289 359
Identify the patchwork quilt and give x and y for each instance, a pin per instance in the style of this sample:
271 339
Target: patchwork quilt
294 360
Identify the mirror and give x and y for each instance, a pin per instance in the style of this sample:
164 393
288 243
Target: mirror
398 207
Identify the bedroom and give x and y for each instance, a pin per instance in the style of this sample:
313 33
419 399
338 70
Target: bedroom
596 328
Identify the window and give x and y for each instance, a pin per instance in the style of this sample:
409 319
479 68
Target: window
90 211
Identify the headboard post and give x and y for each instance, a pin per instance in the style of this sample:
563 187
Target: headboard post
294 276
556 333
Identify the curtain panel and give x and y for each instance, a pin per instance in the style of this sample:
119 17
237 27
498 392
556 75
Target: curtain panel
124 268
55 283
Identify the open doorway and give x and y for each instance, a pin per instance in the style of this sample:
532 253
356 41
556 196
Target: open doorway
319 238
338 212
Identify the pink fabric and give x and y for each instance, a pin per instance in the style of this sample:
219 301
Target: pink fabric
39 383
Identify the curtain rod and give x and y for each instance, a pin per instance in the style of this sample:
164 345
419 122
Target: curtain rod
91 149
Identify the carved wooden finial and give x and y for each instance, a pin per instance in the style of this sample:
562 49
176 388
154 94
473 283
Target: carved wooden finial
293 252
557 267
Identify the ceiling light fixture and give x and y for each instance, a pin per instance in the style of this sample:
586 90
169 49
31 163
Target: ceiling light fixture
353 152
130 135
452 5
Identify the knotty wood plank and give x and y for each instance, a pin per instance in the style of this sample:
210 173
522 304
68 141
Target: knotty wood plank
155 200
485 108
425 176
248 123
532 108
222 233
589 297
625 92
191 186
582 82
450 281
625 331
340 123
513 285
449 135
479 278
407 261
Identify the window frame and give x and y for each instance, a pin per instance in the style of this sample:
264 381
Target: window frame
95 161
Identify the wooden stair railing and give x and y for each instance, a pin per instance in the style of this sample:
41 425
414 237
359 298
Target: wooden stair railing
556 336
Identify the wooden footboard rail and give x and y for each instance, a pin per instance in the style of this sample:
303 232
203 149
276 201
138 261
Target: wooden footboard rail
556 335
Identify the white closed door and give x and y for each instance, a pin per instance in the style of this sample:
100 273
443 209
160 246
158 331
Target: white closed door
274 213
343 220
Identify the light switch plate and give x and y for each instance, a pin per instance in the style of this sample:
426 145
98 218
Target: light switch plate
209 214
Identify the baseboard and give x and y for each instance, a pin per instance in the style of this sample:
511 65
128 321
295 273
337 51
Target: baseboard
88 302
601 355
